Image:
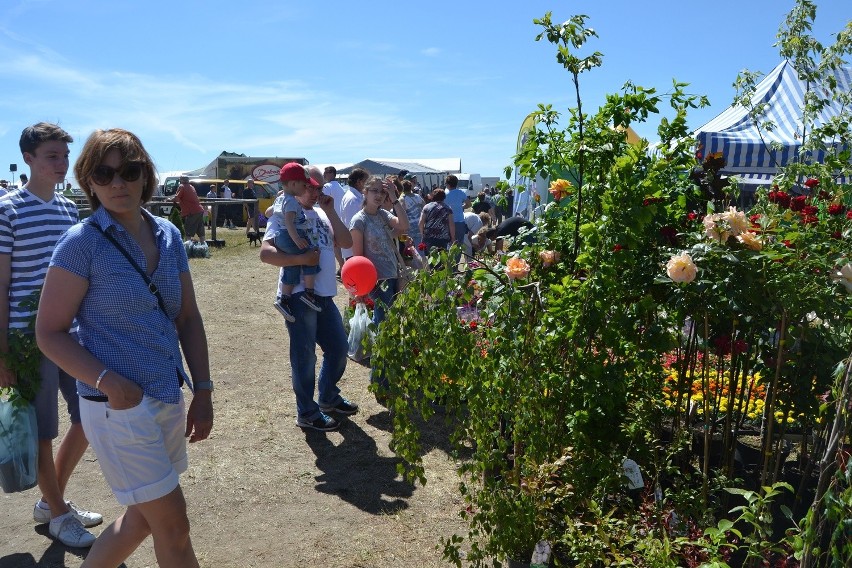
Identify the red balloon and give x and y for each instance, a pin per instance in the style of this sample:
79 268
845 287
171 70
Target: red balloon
358 275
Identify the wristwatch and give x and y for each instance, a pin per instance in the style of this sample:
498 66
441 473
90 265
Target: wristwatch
204 385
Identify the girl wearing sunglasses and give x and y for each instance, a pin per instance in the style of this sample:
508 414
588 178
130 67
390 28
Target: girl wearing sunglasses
123 274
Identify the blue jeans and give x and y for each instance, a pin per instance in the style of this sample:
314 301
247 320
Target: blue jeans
310 329
461 231
383 295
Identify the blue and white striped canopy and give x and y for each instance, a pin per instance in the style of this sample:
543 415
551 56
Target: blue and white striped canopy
737 136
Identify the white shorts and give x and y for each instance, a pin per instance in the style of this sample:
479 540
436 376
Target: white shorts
141 450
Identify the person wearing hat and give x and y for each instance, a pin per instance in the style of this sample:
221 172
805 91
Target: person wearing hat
295 236
4 187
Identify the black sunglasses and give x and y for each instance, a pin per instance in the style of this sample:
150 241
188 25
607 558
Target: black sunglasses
103 174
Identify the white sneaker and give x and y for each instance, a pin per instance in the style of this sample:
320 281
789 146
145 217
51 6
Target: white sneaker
86 518
70 532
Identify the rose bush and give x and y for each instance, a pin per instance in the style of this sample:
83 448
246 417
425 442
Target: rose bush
597 311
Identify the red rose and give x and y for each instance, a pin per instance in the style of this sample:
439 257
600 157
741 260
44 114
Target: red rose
809 210
782 198
473 325
755 220
617 248
692 216
836 209
740 346
788 243
811 182
810 219
421 246
723 345
798 203
669 233
849 214
836 235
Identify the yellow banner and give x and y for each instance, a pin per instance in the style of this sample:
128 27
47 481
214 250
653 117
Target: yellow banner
526 126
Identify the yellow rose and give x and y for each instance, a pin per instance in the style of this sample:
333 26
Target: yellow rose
517 268
750 240
680 268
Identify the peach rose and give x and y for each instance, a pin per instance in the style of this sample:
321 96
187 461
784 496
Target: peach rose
736 220
716 228
517 268
680 268
750 240
548 257
560 188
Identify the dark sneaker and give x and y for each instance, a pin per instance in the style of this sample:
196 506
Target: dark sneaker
311 301
283 307
324 423
345 407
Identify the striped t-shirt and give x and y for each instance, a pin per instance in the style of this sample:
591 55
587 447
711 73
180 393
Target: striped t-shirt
29 229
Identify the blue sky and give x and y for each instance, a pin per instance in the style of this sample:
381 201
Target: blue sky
341 81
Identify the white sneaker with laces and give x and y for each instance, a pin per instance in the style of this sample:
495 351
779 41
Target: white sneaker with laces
70 532
41 514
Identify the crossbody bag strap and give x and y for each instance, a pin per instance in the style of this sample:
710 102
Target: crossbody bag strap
148 282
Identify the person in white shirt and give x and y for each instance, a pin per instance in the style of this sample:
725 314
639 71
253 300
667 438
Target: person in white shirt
352 201
228 209
336 191
473 222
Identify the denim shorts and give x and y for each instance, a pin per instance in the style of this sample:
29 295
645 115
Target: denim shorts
291 275
53 381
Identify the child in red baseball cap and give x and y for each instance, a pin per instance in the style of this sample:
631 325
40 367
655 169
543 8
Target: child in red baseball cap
295 237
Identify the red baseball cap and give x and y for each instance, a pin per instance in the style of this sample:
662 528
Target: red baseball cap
296 172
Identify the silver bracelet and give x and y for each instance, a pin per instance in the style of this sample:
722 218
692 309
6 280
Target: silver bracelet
100 378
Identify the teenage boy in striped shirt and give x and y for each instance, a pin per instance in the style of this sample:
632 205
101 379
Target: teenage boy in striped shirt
32 218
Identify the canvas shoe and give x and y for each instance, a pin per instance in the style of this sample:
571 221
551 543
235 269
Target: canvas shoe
41 514
345 407
323 423
283 307
70 532
311 301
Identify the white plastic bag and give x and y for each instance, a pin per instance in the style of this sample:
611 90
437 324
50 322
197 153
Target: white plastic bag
359 333
18 446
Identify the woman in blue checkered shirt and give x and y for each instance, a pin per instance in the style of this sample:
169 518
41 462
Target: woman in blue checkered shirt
123 275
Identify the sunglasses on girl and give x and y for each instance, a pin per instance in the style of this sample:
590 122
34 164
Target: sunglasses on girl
103 174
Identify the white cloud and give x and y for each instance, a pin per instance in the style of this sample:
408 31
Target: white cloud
431 51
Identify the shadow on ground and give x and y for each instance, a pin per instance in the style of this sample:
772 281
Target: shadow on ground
355 472
53 557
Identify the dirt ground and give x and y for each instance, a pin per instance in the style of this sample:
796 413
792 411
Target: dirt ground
262 492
